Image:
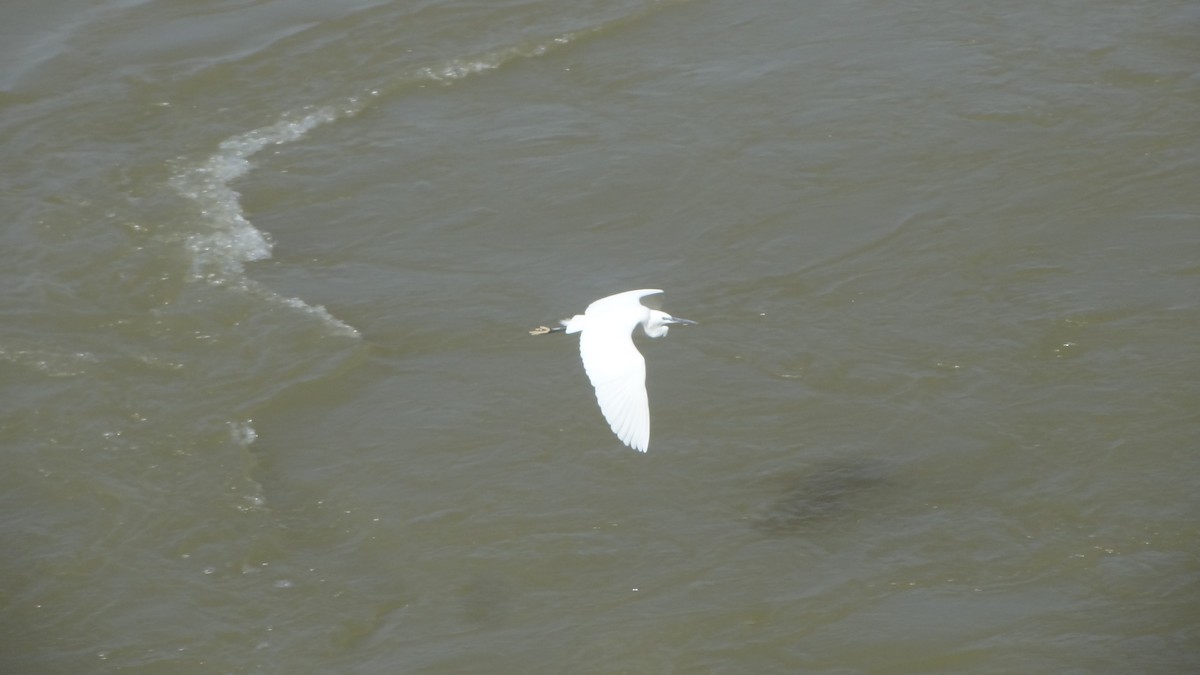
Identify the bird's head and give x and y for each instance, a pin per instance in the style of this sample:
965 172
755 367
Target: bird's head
659 322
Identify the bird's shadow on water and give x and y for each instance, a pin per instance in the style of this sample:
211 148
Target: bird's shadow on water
818 496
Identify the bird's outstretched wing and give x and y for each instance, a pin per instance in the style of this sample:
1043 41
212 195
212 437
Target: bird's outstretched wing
618 373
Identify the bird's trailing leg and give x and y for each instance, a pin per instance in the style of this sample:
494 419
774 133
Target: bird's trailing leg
544 330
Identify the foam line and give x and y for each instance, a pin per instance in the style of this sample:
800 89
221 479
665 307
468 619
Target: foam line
226 240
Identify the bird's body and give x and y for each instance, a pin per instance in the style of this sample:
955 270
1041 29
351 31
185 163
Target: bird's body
614 366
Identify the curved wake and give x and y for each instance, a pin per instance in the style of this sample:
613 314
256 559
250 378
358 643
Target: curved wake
226 239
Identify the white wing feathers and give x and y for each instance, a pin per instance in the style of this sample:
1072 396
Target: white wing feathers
614 366
618 373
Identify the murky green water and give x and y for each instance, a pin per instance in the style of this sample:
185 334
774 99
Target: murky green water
269 405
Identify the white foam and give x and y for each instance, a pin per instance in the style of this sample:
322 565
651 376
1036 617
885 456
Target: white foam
52 363
226 240
456 70
242 433
230 240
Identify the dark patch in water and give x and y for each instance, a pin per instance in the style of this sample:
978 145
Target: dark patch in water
813 497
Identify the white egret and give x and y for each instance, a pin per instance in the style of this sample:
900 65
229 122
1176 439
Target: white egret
614 366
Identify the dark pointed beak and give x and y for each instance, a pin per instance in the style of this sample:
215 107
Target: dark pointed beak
677 320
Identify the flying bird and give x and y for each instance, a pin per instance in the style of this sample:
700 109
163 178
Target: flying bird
614 366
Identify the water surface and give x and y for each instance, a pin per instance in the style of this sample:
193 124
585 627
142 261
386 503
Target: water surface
269 405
